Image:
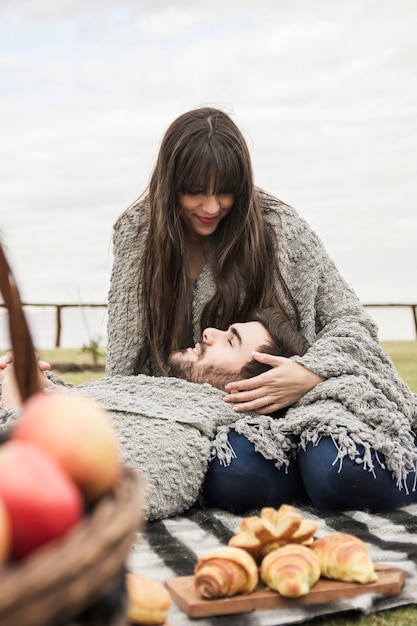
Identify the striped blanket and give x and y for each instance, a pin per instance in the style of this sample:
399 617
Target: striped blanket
169 548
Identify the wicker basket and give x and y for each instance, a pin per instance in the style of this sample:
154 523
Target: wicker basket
75 574
80 578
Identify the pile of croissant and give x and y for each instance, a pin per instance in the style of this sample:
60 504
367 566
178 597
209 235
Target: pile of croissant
279 547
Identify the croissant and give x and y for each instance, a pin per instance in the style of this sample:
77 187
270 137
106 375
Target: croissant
148 602
226 571
344 557
291 570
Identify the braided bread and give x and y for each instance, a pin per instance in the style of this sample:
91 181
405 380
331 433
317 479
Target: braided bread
259 535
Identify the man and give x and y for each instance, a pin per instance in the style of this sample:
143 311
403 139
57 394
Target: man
221 356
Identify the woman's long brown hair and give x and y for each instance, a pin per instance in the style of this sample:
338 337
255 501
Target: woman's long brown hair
205 149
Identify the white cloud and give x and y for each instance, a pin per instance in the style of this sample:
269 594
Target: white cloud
326 93
172 20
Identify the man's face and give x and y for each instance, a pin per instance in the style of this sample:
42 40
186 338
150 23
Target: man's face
221 355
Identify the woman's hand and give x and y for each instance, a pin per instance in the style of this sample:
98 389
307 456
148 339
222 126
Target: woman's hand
10 394
6 359
275 389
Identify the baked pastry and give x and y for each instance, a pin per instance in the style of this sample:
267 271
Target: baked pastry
344 557
274 528
225 571
148 601
302 532
291 570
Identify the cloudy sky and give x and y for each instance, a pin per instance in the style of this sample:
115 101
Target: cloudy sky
324 90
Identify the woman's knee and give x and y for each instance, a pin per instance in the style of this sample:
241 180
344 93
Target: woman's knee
250 481
335 484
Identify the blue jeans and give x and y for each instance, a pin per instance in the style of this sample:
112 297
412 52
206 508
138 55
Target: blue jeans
353 487
252 482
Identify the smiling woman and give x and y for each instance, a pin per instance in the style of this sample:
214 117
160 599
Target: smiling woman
204 248
79 150
201 214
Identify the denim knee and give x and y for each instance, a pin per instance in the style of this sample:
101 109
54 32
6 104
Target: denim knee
250 481
348 485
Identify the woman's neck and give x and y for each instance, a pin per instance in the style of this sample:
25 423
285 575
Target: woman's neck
196 256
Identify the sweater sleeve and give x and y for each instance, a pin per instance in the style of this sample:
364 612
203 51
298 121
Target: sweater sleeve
7 419
124 328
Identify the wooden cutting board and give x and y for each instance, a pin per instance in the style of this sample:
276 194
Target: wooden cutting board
389 583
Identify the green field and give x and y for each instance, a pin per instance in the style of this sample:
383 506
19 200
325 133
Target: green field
404 356
73 365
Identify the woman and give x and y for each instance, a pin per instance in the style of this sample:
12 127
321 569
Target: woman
195 251
205 247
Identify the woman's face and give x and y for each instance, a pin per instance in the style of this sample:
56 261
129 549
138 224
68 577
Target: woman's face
201 213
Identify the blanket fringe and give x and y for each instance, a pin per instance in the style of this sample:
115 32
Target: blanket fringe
346 445
222 448
272 446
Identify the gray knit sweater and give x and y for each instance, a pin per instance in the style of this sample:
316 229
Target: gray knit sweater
170 428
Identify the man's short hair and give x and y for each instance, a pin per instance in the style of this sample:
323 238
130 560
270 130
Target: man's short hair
287 341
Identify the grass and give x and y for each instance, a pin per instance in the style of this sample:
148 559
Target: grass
404 356
73 365
405 616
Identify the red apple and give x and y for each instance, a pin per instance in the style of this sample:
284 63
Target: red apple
5 533
77 432
42 502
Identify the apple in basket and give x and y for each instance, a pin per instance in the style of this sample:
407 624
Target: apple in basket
77 432
41 501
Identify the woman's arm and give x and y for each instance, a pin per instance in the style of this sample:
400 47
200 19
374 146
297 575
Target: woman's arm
124 337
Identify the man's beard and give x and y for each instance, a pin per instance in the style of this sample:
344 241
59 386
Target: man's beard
195 373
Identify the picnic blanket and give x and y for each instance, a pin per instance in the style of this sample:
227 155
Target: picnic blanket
169 548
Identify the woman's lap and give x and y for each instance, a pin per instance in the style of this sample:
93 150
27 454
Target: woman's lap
251 481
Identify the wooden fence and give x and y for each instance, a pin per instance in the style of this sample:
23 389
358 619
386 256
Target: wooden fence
58 313
59 308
